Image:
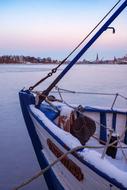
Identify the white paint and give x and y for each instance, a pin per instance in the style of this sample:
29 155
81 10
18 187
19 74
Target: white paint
114 168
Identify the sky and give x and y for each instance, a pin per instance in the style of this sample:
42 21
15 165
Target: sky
52 28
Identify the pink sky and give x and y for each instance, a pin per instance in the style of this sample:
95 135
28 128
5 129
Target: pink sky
55 29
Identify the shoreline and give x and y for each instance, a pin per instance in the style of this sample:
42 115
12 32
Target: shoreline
63 64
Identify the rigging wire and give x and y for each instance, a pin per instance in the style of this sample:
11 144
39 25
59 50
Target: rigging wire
62 90
80 107
64 60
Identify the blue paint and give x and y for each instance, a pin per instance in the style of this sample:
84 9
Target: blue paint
125 138
114 121
47 129
92 167
48 111
103 131
26 98
53 184
86 47
98 110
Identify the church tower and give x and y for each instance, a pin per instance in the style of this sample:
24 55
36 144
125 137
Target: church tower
97 58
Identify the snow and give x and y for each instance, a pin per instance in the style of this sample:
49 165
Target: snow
65 110
105 165
65 136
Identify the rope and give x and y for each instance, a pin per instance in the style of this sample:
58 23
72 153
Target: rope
64 60
76 109
99 140
51 165
104 126
124 155
69 152
64 102
59 159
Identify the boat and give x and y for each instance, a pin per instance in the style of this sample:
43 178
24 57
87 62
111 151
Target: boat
87 144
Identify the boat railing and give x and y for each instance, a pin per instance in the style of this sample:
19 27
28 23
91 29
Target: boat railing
115 95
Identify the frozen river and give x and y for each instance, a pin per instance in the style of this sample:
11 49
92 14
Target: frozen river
17 158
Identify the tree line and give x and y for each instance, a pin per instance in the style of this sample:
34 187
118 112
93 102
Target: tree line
25 59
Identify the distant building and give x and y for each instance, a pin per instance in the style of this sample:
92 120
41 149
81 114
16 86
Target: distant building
21 59
28 59
97 59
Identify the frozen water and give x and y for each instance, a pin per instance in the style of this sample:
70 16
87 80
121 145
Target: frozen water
17 158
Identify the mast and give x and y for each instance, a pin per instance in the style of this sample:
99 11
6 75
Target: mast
85 48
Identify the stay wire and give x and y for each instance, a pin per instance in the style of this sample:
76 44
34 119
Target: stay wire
64 60
62 90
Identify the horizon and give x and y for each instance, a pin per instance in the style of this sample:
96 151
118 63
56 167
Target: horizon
49 57
54 28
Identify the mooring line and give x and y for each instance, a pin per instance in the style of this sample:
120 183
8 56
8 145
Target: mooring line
59 159
52 164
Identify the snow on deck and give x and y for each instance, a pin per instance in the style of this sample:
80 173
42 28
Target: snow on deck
109 166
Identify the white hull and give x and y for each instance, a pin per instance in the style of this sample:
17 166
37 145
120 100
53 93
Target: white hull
91 179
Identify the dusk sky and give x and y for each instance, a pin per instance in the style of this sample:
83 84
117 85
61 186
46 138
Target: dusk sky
44 28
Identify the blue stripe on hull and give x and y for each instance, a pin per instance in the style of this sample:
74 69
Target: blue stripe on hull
53 183
51 180
92 167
